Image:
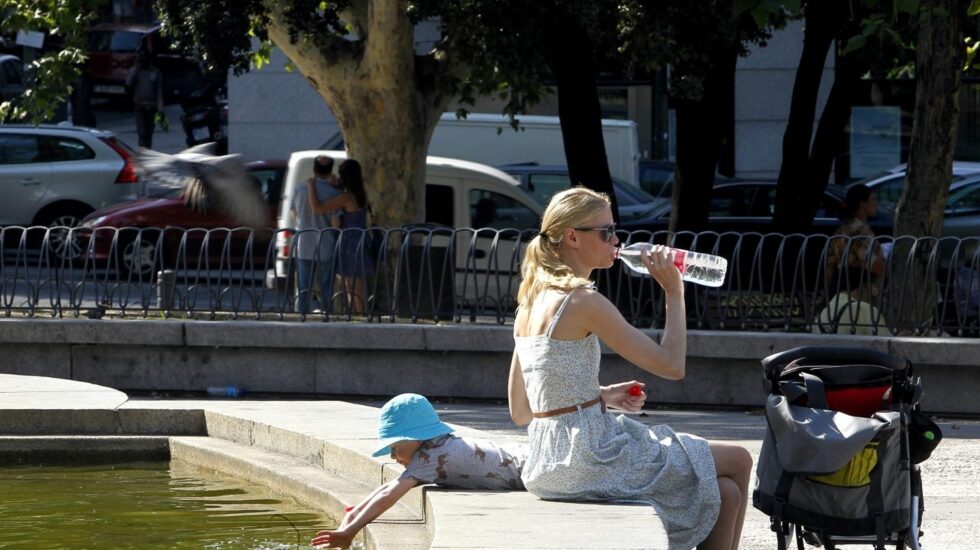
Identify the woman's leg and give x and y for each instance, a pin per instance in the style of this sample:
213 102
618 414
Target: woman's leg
350 301
733 465
360 294
722 536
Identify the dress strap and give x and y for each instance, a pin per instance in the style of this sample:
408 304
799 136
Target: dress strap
561 309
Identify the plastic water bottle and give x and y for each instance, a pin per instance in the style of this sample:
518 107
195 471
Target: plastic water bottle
226 391
696 267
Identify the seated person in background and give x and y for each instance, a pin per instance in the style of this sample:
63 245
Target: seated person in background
859 246
410 431
850 311
967 288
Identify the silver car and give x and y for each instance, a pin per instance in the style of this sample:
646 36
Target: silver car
55 175
888 185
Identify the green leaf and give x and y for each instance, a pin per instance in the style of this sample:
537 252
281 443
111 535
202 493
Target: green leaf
974 8
855 43
911 7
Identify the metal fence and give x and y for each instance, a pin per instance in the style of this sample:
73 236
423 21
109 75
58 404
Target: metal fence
774 282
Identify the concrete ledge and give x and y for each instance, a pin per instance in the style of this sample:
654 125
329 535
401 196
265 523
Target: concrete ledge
50 422
723 368
88 449
307 484
504 521
319 453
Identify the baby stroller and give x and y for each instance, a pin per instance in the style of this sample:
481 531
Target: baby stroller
839 462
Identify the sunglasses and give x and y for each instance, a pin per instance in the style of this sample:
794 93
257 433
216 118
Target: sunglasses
607 231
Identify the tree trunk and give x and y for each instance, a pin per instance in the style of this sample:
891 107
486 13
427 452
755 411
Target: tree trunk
383 104
701 127
939 62
793 192
579 110
826 142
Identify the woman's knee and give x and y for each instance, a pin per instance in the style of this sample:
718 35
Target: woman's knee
730 492
741 460
732 460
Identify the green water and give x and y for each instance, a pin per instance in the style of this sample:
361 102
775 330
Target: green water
146 505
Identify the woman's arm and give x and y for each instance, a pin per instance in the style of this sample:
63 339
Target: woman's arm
598 315
364 513
329 205
520 407
666 359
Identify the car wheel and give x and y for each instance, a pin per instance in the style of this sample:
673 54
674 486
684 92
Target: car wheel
138 255
63 243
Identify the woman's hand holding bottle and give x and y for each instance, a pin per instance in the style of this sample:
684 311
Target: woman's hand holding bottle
660 264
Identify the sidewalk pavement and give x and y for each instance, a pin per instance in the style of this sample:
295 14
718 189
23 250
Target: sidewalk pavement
122 123
951 477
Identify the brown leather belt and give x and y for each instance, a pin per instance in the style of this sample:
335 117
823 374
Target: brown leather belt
573 408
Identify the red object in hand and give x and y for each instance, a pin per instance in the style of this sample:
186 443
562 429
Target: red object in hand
636 391
348 508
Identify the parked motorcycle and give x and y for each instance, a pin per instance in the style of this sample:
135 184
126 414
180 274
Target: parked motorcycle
204 119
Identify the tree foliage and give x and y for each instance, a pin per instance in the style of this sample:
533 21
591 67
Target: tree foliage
701 41
53 74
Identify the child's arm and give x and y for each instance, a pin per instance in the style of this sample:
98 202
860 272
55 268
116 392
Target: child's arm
365 512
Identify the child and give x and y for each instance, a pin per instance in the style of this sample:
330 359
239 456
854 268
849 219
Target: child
410 431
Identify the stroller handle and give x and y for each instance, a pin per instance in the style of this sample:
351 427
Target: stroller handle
833 355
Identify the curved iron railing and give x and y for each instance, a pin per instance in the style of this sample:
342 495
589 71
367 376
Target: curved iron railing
774 282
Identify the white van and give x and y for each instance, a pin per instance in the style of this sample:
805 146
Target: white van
489 139
458 194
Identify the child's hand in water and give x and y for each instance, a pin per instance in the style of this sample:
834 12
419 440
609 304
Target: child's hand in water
332 539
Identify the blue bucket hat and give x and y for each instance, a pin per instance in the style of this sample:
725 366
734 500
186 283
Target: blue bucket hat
408 416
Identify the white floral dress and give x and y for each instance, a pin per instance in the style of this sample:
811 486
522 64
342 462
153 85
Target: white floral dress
593 455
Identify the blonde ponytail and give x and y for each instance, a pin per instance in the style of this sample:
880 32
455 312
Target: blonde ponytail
542 266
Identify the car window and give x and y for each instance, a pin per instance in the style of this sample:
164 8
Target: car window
656 179
439 204
889 191
11 73
114 41
489 209
60 149
543 186
19 149
733 201
965 200
270 184
830 207
630 195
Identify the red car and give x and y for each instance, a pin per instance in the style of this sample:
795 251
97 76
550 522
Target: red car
127 236
112 52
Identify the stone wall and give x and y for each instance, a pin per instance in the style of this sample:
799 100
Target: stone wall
372 359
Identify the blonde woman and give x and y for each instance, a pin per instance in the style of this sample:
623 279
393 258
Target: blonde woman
578 451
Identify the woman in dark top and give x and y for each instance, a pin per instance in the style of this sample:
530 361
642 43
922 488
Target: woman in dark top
355 260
